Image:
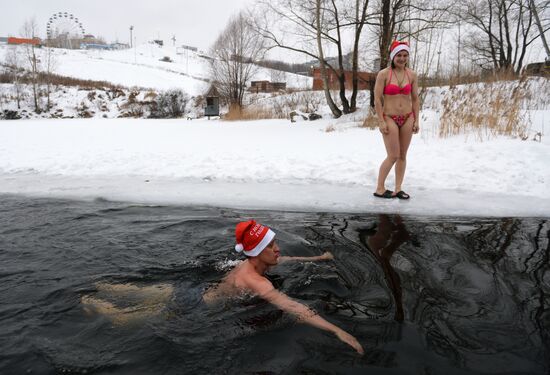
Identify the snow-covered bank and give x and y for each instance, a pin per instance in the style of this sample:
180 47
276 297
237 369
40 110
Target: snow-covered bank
317 197
269 164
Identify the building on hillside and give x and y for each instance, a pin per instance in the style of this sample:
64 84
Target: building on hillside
190 48
541 69
96 46
33 41
266 86
3 40
366 80
118 45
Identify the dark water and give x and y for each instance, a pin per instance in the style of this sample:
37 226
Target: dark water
423 295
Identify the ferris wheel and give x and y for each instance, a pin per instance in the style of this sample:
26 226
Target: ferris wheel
64 25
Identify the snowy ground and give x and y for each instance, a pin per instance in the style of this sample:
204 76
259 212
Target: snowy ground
326 165
270 164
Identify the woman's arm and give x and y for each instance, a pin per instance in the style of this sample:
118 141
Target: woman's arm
264 289
378 101
327 255
415 103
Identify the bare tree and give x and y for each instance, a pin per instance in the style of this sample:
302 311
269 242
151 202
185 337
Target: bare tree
234 57
502 30
544 7
14 64
322 64
411 20
312 27
405 19
30 31
50 64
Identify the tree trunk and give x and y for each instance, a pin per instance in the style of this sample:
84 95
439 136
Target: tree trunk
539 25
336 112
355 57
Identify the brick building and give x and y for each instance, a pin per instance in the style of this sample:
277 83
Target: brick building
366 80
266 86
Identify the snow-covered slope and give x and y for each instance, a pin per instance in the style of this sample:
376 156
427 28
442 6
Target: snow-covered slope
142 67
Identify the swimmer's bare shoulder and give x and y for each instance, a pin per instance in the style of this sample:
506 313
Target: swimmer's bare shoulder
232 285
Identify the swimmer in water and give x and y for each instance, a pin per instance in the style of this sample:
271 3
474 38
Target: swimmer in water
258 244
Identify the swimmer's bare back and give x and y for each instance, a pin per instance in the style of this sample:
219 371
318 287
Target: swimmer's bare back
232 285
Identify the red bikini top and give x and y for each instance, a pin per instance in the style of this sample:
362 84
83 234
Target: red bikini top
392 89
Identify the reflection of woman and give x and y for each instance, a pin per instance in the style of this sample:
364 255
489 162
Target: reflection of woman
397 105
383 244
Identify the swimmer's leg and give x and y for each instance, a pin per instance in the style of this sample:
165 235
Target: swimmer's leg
154 294
122 316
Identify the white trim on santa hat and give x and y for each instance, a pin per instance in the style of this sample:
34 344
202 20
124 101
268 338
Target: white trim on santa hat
259 247
399 48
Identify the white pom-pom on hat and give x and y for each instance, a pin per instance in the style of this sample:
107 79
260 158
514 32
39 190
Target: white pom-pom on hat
239 247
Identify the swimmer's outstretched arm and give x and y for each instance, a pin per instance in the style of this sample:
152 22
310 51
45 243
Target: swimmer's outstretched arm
265 289
327 255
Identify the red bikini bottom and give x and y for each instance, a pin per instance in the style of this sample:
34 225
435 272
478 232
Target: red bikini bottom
400 119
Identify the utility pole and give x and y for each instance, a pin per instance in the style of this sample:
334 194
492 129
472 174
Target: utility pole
131 29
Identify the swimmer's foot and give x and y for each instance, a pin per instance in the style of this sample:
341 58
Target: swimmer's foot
387 194
402 195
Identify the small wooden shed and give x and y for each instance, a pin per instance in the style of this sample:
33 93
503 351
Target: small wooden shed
212 102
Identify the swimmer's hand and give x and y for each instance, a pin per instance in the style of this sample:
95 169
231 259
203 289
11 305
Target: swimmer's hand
350 340
327 255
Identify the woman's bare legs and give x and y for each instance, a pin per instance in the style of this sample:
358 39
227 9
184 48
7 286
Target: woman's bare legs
391 141
405 136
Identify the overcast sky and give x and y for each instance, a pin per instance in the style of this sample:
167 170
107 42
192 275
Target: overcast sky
193 22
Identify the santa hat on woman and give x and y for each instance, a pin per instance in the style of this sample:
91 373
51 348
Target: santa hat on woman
252 238
397 47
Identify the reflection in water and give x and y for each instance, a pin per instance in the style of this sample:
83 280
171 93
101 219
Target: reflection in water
383 242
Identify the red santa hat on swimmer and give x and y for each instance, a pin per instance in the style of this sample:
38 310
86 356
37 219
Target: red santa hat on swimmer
397 47
252 237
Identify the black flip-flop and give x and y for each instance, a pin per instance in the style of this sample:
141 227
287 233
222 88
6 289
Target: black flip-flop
387 194
402 195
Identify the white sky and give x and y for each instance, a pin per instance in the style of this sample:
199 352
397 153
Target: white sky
193 22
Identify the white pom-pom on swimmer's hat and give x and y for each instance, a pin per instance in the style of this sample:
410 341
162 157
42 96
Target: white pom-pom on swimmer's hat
252 237
397 47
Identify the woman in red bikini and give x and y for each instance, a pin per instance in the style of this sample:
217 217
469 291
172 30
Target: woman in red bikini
397 105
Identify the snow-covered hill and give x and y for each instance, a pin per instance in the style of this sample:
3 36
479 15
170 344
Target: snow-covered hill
142 67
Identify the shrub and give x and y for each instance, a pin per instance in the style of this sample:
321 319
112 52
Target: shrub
170 104
9 115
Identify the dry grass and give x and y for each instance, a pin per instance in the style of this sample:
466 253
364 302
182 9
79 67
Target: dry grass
371 120
55 79
468 77
237 113
485 110
330 128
